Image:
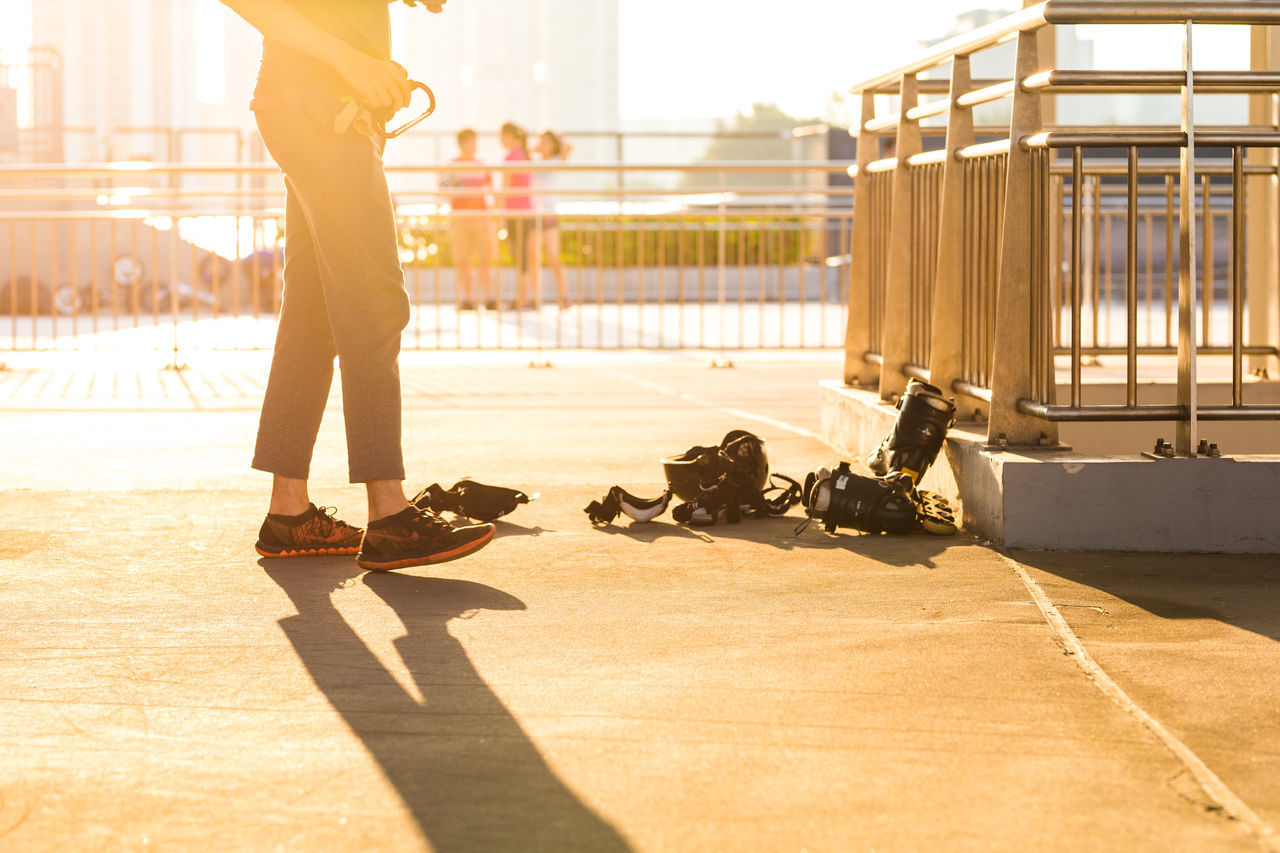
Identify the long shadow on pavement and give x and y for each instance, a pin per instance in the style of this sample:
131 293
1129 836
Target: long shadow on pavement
1235 590
466 769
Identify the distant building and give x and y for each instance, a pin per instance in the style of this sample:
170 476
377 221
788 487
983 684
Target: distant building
145 64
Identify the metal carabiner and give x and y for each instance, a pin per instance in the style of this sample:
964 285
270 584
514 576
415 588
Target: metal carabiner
381 128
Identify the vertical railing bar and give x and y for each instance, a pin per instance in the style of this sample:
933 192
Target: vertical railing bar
782 279
13 276
1186 436
1108 278
702 283
1037 257
741 231
680 280
115 255
642 272
1095 283
1077 265
1208 265
1169 249
1131 284
966 283
988 281
620 271
760 254
598 241
436 286
1148 277
662 283
1238 202
74 247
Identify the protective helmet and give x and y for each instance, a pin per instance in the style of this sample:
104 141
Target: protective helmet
740 458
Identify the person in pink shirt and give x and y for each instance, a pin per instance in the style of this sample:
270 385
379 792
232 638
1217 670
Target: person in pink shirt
517 204
469 223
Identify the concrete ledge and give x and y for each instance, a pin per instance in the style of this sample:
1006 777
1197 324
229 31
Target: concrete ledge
1071 501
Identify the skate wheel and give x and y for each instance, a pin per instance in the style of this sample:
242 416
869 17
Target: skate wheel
936 515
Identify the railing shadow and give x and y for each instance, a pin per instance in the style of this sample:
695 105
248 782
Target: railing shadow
1235 590
465 768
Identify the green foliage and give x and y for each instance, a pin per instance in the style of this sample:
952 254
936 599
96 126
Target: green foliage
608 241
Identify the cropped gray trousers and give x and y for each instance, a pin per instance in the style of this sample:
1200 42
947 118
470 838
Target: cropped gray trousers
344 294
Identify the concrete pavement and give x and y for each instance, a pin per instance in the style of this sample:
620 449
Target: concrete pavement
649 688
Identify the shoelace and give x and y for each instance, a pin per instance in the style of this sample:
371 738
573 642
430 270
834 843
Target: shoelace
431 520
330 514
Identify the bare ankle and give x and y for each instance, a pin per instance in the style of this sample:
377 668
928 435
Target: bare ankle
289 496
386 498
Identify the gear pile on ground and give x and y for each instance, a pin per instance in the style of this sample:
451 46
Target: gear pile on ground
890 502
730 481
470 499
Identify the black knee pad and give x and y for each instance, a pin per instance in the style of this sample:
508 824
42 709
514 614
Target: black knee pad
924 416
841 498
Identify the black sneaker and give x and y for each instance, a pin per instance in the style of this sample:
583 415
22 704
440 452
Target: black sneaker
417 538
315 533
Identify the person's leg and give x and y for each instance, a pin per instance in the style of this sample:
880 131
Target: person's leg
519 242
356 242
342 193
289 496
386 498
484 259
301 370
533 262
463 258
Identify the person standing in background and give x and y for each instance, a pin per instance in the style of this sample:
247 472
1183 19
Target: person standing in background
552 149
518 206
470 225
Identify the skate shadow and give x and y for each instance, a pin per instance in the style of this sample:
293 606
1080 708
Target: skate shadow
507 528
915 550
1236 590
463 765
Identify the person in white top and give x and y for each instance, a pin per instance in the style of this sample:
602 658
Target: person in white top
552 149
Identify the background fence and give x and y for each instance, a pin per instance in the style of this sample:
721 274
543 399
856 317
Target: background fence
178 257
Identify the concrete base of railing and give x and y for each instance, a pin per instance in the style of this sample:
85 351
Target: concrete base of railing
1072 501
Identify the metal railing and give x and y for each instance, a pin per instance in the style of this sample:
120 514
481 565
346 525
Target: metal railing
995 268
178 257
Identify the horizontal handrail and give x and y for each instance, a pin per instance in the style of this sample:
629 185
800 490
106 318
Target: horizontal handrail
1093 82
139 168
1084 414
1150 139
1248 12
985 95
127 214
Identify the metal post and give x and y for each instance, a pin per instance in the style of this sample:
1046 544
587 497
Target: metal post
1262 272
1011 364
896 335
1187 436
946 349
857 370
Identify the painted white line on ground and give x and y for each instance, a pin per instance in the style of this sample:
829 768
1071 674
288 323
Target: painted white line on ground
692 400
1215 789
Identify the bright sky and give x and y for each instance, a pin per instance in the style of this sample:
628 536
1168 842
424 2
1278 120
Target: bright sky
709 58
694 58
15 27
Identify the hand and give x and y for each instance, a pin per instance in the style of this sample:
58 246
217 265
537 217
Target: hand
380 84
436 6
